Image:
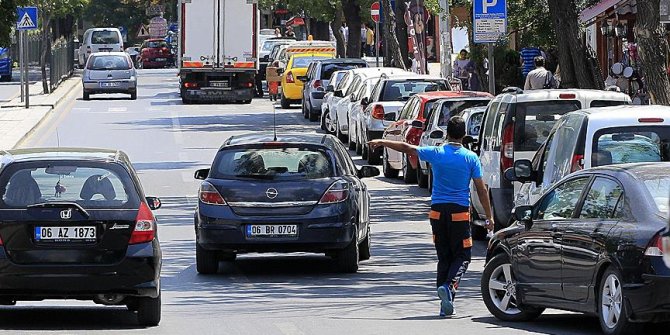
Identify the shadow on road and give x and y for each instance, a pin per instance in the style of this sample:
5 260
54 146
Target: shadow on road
73 318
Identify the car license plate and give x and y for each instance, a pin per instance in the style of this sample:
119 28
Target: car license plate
111 84
272 230
160 59
64 234
223 84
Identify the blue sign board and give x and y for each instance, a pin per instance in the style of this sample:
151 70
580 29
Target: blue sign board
26 18
490 20
173 27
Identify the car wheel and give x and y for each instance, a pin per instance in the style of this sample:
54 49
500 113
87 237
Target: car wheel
498 219
347 258
498 288
612 309
408 173
323 121
359 146
133 95
364 247
246 102
140 64
364 149
313 117
228 256
185 101
342 137
478 232
86 96
206 261
352 144
389 172
285 104
304 110
149 311
421 178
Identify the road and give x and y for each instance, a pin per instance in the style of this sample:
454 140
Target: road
393 293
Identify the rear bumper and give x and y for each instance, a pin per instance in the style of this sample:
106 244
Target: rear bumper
136 275
650 301
292 91
211 94
154 63
124 86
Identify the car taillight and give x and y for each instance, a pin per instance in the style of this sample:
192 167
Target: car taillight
655 247
650 120
507 147
145 226
289 78
577 163
165 49
209 195
190 85
337 192
316 84
378 112
567 96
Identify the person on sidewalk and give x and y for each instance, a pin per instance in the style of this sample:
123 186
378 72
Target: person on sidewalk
526 57
460 72
540 78
453 167
364 32
369 41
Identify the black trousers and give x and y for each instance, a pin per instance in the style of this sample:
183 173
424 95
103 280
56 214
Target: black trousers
453 243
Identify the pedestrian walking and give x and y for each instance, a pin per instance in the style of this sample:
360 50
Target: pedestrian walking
460 64
527 58
474 84
453 167
364 32
369 41
540 77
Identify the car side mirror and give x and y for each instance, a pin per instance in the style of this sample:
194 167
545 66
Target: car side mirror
365 101
524 214
417 124
390 116
304 79
154 203
368 171
522 171
330 88
201 174
437 134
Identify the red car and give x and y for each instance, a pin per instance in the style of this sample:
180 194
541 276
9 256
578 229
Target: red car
155 53
409 127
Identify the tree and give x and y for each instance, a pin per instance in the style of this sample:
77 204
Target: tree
390 38
125 13
653 49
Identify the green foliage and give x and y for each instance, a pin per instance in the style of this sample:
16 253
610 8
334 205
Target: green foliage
127 13
7 20
531 19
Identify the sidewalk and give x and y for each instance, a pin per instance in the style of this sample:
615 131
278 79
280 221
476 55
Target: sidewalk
17 122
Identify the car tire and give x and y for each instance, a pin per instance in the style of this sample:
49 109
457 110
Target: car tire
86 96
185 101
347 258
285 104
352 144
499 292
313 117
422 179
364 247
359 146
389 172
304 110
323 121
133 95
6 78
206 261
496 216
246 102
342 137
611 279
228 256
149 311
364 150
478 232
408 173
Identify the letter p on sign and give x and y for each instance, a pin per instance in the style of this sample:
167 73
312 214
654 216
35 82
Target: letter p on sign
487 4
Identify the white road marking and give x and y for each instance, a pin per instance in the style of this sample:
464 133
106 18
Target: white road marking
117 109
288 328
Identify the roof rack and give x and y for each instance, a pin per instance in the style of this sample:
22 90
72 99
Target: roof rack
512 89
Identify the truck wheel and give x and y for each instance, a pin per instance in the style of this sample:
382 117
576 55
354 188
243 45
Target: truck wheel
285 104
149 311
206 261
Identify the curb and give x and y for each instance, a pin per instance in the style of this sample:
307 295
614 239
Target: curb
66 87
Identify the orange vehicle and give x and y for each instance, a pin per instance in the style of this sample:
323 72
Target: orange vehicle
410 125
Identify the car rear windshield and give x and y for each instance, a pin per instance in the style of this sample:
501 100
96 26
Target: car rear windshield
273 163
303 62
105 37
108 62
631 145
328 69
658 185
450 108
91 185
535 119
155 44
402 90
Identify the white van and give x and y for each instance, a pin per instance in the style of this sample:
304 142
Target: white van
99 40
590 138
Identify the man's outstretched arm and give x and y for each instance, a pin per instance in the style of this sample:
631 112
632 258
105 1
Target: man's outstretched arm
394 145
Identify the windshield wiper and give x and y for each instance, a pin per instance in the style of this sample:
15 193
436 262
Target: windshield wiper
61 204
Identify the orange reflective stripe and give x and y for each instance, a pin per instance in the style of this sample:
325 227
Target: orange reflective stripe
467 243
434 215
465 216
192 64
244 64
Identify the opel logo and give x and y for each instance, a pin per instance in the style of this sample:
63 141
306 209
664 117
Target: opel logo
271 193
66 214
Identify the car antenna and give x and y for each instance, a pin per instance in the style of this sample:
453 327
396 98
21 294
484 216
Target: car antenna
274 121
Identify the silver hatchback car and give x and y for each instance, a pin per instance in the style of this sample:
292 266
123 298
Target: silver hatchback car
109 72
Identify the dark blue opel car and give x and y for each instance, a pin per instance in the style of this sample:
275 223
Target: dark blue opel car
297 193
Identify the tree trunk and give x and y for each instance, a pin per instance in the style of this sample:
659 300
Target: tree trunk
320 31
394 55
46 47
336 24
653 49
578 68
401 32
352 13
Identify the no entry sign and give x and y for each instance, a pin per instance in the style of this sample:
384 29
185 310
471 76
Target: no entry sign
374 11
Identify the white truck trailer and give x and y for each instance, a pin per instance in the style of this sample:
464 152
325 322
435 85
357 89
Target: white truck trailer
218 50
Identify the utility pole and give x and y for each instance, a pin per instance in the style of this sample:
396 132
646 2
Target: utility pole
445 40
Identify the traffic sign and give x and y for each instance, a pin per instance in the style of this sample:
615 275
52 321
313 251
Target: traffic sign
374 11
158 27
142 32
26 18
490 20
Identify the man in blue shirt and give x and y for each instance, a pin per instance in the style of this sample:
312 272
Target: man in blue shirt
453 167
527 58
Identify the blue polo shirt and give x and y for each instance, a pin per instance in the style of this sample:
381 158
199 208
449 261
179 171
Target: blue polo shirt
528 55
453 168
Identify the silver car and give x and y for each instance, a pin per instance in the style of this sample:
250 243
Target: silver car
109 72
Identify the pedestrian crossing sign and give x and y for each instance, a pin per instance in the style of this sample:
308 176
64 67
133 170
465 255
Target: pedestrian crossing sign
26 18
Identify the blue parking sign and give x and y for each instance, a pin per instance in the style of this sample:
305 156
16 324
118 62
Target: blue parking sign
490 20
26 18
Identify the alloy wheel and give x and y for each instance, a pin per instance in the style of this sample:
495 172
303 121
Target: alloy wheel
611 301
502 289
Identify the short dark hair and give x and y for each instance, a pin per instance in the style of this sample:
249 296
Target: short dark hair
456 128
539 61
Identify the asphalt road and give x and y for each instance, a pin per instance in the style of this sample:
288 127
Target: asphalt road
393 292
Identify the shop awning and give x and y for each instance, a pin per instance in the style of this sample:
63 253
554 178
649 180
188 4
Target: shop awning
295 21
589 14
